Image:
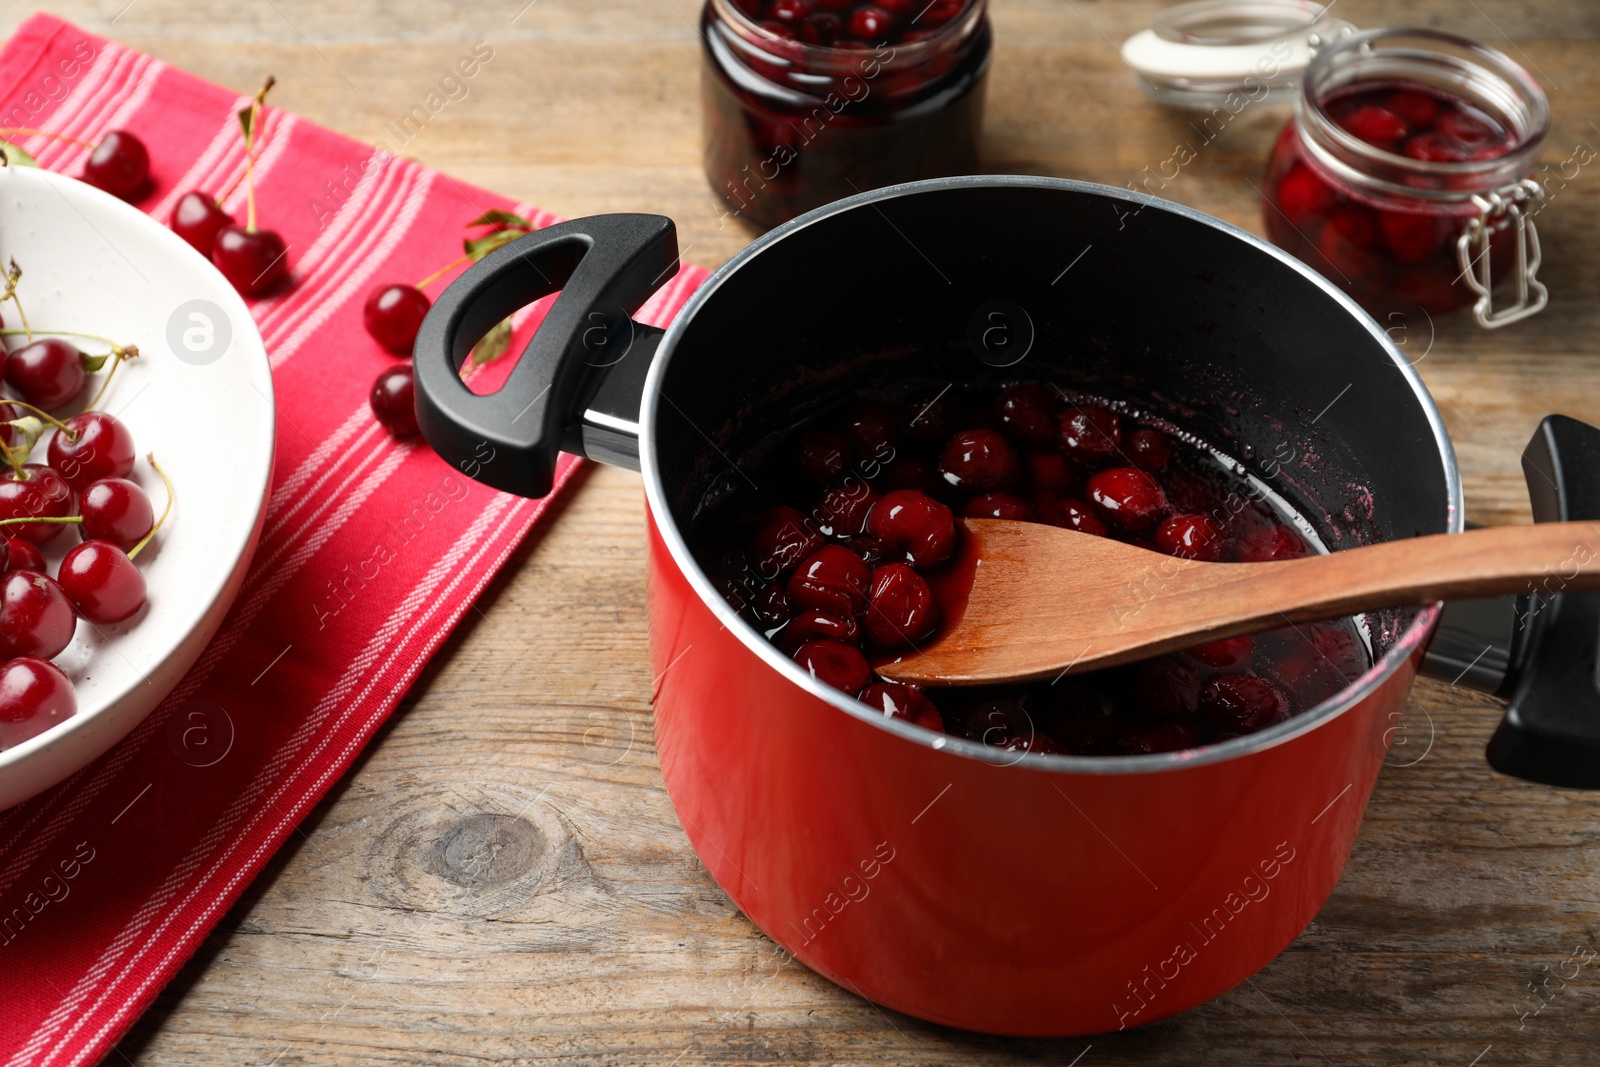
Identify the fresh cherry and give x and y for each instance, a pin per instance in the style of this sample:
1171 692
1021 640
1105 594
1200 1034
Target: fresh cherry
37 492
48 373
119 164
36 619
978 461
915 523
99 446
900 607
905 702
254 261
101 582
394 401
34 696
115 510
839 665
393 314
1129 497
782 538
21 555
198 219
834 580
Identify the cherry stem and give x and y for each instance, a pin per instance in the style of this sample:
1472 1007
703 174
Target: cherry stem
13 276
442 271
12 331
58 519
16 463
251 140
134 551
8 131
72 435
117 356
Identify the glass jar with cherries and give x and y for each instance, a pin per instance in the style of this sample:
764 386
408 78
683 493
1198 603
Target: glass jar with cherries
807 101
1405 175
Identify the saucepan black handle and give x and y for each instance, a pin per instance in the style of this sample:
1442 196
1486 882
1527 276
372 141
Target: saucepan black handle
1538 650
577 385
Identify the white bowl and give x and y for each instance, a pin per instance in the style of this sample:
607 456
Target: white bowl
202 403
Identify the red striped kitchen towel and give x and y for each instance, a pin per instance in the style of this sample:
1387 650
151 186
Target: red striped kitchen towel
109 882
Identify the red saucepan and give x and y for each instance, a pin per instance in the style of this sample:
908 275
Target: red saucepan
1017 893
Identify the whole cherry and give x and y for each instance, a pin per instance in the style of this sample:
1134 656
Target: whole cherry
835 663
21 555
904 702
393 314
34 492
781 539
198 219
48 373
1092 434
101 582
915 523
254 261
394 401
834 580
94 445
119 164
34 696
36 619
117 511
900 607
1128 496
978 461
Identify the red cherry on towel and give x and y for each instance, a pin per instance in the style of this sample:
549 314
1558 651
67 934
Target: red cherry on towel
198 219
254 261
394 401
119 164
393 314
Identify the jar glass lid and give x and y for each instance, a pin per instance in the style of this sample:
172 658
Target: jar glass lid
1198 55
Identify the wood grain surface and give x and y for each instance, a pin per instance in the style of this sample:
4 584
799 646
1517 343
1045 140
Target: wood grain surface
501 878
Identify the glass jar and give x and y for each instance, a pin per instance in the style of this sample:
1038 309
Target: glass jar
792 125
1405 175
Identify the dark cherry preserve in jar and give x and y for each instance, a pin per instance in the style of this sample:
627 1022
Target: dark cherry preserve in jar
807 101
1405 175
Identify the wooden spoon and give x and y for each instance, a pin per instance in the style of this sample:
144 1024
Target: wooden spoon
1046 602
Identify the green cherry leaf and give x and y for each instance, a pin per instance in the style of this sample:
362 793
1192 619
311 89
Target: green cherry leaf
494 343
31 428
477 248
16 156
496 217
93 363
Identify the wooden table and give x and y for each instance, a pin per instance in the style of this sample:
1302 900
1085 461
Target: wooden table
502 876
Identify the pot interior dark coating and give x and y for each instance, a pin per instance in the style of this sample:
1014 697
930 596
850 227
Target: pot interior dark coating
1181 318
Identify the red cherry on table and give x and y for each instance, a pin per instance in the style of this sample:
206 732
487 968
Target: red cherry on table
48 373
900 607
253 261
101 446
1191 537
38 492
393 314
115 510
21 555
978 461
916 524
1128 496
101 582
782 538
834 579
36 619
1091 434
198 219
34 696
905 702
394 401
839 665
119 164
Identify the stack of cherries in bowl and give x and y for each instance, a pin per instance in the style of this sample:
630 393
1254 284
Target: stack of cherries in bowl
852 552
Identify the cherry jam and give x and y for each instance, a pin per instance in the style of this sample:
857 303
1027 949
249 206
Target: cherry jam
808 101
1386 166
851 551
